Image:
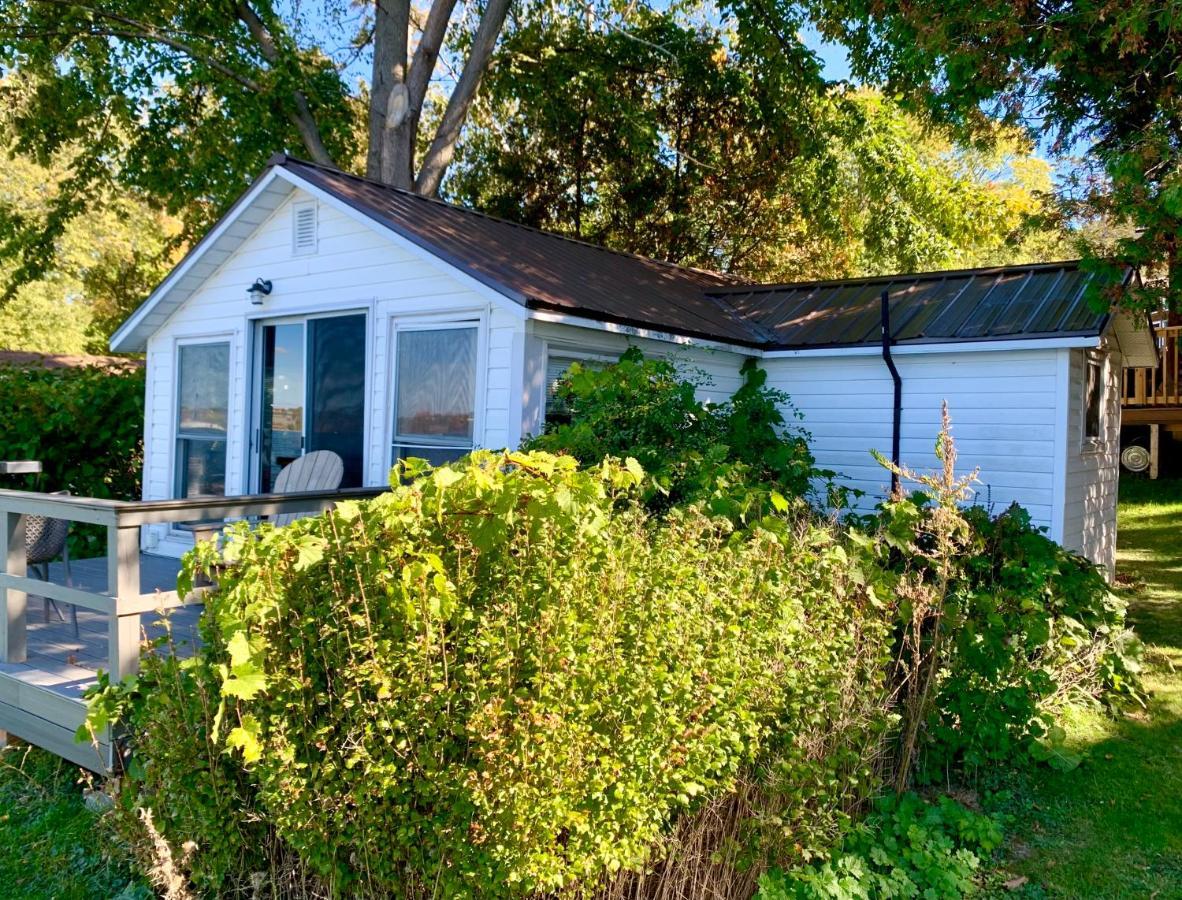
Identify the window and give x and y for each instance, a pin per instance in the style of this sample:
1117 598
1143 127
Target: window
435 392
203 396
557 365
303 228
1093 402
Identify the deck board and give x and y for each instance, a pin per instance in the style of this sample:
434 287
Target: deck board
71 662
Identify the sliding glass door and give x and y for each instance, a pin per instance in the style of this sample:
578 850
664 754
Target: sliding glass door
311 394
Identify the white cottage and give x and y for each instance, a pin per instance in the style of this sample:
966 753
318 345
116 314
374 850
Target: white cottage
325 311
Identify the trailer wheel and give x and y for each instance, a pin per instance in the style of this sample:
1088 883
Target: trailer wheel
1135 458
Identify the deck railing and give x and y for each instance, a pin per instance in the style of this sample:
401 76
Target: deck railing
1162 384
123 602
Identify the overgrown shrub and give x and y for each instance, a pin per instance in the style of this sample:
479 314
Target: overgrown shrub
998 625
906 848
731 454
84 424
504 677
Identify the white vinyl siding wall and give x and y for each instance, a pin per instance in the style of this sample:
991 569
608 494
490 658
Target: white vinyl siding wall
1002 405
720 368
354 267
1089 518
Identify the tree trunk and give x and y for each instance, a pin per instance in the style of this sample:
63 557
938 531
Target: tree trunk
443 146
386 161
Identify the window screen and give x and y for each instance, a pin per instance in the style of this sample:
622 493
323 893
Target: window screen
1094 400
435 393
203 397
556 366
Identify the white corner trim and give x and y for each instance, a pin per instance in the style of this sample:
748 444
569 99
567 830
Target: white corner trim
125 330
1062 427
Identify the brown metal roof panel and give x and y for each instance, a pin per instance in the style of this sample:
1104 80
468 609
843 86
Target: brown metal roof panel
1025 303
928 299
528 264
843 307
1058 303
913 305
959 307
993 304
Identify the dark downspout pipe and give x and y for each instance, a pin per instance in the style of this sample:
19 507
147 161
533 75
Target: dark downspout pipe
895 377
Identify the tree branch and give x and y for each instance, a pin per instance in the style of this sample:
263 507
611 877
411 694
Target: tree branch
145 32
301 115
443 146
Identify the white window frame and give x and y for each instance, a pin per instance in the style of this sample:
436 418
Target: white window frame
1094 443
477 319
228 338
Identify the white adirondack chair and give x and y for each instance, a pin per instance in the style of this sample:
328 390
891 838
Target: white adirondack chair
320 470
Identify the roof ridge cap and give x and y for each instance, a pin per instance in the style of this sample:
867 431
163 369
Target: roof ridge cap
932 275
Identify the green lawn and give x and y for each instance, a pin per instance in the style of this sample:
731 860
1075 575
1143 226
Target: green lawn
49 846
1113 827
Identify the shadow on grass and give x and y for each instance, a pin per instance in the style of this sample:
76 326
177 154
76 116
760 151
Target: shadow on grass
1112 828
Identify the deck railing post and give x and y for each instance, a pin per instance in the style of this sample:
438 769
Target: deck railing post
123 583
13 637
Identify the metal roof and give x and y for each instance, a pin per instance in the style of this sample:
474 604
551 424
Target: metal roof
1003 303
546 271
542 270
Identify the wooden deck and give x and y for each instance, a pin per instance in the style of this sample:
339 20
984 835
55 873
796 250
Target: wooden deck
44 666
52 644
63 665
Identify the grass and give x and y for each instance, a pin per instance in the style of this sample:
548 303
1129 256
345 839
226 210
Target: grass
49 845
1112 828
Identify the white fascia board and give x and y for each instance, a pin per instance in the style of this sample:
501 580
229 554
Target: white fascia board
649 334
494 296
949 347
120 340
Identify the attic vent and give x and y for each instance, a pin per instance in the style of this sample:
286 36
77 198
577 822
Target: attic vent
303 228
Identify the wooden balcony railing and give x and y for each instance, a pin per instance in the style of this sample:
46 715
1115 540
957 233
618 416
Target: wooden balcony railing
39 705
1161 385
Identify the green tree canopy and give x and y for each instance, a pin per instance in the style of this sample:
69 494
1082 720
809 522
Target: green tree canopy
1096 73
102 265
681 140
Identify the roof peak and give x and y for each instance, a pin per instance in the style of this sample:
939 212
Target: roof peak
283 159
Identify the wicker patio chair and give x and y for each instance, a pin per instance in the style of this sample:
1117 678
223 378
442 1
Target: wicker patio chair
45 541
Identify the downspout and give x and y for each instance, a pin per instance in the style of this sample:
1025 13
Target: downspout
898 381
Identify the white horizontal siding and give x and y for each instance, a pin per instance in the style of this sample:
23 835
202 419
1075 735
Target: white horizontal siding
1002 406
354 268
717 369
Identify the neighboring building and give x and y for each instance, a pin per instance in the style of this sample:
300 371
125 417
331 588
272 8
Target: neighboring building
386 324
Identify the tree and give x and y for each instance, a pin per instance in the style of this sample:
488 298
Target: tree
685 141
103 265
181 101
1100 73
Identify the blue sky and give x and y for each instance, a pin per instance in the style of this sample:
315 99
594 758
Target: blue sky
834 57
